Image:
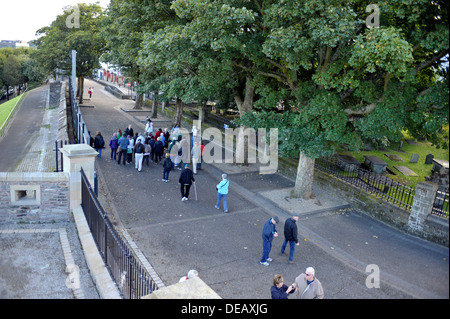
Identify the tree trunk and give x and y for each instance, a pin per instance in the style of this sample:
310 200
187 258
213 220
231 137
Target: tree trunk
139 103
245 105
305 177
178 112
81 89
154 108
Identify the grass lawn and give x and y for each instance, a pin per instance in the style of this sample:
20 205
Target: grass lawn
420 168
5 109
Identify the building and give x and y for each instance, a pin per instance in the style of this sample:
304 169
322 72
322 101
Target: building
14 44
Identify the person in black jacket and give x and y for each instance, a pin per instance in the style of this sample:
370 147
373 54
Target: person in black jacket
279 290
290 235
185 180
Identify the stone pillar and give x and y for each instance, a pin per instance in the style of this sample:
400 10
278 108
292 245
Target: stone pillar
422 206
77 156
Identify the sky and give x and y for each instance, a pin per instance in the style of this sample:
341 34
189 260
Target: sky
20 19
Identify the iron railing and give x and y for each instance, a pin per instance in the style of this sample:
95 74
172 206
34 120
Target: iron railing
130 276
379 185
441 205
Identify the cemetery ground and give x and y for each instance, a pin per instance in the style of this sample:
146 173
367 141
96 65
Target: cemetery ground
402 157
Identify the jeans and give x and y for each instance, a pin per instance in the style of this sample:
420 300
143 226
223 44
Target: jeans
99 150
291 248
124 154
166 174
219 197
113 153
267 246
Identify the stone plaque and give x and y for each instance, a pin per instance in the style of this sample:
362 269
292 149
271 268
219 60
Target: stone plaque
394 157
405 171
429 159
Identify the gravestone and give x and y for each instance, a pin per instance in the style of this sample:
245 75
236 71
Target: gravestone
394 157
405 171
414 158
429 159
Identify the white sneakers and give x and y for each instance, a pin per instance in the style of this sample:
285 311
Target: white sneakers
184 198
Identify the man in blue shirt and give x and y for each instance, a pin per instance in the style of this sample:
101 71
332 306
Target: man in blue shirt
269 232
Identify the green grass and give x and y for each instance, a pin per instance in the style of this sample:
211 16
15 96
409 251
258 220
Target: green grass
5 110
420 168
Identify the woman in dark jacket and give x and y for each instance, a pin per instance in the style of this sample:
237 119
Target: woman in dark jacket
159 150
279 290
99 143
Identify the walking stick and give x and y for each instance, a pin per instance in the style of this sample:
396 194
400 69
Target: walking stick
195 191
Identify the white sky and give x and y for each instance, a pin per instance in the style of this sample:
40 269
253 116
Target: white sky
20 19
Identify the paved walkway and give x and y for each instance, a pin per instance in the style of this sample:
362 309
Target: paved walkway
175 236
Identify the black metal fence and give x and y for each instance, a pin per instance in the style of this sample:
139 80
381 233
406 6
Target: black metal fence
379 185
130 275
441 205
59 164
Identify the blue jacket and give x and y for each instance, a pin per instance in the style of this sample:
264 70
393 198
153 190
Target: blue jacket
123 143
268 230
222 187
280 293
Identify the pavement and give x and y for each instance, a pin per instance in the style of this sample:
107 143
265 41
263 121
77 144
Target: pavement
347 248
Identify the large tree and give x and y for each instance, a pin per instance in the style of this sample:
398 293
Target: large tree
78 28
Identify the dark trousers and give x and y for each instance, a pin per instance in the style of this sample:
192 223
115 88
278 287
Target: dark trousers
185 190
124 154
166 174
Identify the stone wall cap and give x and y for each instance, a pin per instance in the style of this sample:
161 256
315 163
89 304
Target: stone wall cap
78 150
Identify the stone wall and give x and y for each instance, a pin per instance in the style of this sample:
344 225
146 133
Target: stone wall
34 197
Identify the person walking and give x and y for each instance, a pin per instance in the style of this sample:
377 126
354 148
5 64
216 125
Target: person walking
268 233
279 290
99 143
139 150
290 236
185 180
308 286
159 150
222 192
113 145
167 167
130 149
123 148
149 128
195 157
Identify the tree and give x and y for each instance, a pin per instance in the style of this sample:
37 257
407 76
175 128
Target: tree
12 73
63 36
343 83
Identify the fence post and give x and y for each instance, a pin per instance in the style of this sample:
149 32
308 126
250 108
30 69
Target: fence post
422 205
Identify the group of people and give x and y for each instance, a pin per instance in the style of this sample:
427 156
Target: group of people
306 286
127 145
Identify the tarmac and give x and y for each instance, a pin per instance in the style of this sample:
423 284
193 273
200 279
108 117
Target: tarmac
347 248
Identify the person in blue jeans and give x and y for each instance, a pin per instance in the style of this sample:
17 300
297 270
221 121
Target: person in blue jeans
290 236
269 232
222 192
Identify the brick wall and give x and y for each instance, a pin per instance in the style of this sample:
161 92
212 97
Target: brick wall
34 197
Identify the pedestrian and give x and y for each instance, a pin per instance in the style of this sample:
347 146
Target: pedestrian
222 192
269 232
122 149
152 142
194 132
159 150
113 145
196 152
149 128
129 131
139 150
130 149
99 143
202 153
308 286
167 167
191 274
185 180
90 91
279 290
184 148
147 151
290 236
